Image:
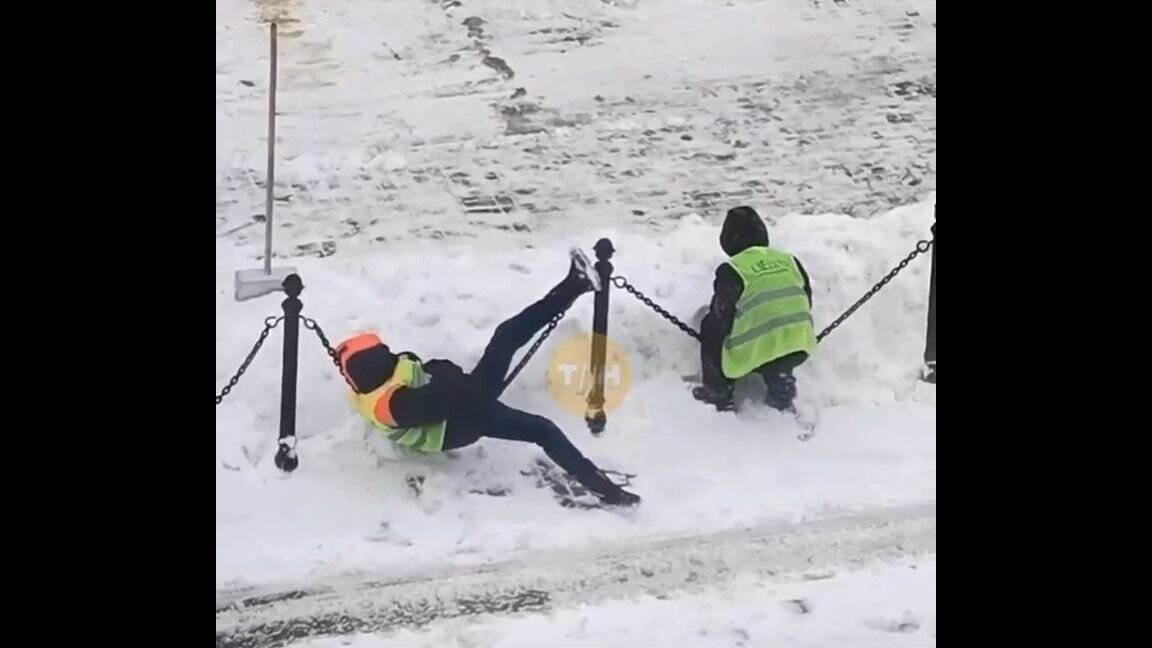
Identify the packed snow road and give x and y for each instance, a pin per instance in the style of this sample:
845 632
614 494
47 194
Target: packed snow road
548 581
890 603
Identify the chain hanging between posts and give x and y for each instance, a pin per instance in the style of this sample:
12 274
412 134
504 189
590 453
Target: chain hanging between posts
921 248
311 325
269 324
552 324
621 282
618 281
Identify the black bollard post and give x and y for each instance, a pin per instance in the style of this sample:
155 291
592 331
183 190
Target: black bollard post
930 338
286 458
595 416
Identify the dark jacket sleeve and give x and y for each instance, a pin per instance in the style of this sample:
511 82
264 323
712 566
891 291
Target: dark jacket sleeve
443 370
807 282
430 403
726 290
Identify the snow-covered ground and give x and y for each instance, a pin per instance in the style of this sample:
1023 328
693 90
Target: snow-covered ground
596 573
424 194
883 604
347 506
623 112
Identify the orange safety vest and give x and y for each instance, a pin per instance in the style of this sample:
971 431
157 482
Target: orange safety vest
375 405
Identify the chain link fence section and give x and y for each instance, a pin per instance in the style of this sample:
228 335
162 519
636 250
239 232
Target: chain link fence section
269 324
921 247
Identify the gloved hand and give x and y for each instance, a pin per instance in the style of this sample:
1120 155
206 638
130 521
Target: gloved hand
444 371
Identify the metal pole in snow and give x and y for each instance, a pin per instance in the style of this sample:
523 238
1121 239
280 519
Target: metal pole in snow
930 338
595 417
286 458
271 179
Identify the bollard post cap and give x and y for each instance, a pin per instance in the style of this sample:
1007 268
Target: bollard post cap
293 286
604 249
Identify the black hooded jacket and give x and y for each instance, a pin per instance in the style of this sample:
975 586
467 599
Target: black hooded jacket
743 228
434 402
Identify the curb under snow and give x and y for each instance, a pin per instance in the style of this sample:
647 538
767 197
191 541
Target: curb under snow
556 579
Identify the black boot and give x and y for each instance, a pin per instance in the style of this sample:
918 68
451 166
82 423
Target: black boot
781 391
606 489
723 400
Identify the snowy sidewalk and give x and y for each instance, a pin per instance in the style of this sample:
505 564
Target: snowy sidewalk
886 604
547 581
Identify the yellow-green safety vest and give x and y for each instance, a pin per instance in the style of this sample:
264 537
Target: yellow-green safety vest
375 407
773 316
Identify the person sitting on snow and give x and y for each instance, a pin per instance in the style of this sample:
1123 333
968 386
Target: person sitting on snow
434 406
760 317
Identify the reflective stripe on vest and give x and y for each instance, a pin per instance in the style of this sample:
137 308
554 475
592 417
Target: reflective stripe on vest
773 316
375 407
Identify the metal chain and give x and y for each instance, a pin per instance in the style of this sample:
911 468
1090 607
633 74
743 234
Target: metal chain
618 281
621 282
269 324
921 247
552 324
311 325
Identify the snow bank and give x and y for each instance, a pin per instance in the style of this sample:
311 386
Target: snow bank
347 507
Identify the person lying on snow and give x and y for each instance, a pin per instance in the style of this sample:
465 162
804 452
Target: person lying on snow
434 406
760 317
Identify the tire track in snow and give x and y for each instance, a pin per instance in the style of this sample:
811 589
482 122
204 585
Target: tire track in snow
538 582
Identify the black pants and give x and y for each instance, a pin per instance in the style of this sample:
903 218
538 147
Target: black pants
777 374
484 416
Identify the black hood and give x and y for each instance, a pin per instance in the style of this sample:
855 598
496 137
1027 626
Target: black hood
743 228
371 368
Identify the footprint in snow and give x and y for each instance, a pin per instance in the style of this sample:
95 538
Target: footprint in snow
797 606
905 624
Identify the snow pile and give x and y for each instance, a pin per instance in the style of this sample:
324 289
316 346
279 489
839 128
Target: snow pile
347 507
